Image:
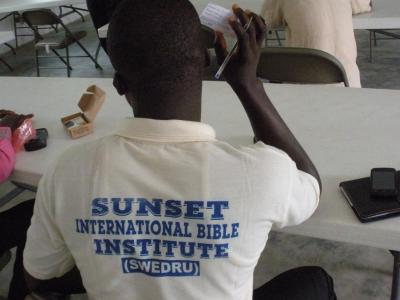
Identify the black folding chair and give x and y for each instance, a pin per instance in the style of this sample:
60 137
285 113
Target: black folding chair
40 17
300 65
5 38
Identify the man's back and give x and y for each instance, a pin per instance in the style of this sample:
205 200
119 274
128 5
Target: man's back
162 210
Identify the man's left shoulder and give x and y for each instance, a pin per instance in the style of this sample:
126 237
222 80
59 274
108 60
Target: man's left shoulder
260 151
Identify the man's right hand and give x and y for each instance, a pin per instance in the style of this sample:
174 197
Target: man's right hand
242 67
240 73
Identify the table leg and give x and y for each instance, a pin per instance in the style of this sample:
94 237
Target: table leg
19 189
25 186
396 276
11 195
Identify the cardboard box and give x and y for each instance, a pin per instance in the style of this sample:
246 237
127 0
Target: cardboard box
81 124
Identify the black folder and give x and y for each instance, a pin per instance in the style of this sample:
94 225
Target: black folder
366 207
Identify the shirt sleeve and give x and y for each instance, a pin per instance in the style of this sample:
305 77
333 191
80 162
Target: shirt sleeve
292 195
302 200
46 255
7 159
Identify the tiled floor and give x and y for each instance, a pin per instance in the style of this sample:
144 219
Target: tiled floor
360 273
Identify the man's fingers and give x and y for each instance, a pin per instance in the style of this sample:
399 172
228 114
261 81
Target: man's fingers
244 20
261 29
242 36
220 47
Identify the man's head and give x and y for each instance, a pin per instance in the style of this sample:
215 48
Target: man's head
156 49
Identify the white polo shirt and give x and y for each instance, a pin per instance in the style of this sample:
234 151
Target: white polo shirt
163 210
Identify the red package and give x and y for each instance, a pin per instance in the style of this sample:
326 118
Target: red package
22 134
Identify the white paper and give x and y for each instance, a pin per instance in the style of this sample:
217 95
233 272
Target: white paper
217 18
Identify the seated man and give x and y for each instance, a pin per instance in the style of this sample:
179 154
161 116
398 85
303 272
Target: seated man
162 209
325 25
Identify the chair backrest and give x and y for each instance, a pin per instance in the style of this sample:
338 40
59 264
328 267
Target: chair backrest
41 17
208 36
300 65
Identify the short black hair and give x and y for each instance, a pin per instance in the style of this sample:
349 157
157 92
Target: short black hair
156 42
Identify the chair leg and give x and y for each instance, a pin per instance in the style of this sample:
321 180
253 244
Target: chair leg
370 46
61 58
73 10
55 27
89 55
76 11
68 66
278 38
15 29
6 64
98 52
37 63
266 38
11 47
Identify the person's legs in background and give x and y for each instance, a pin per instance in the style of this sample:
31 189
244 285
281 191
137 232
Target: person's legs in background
13 226
304 283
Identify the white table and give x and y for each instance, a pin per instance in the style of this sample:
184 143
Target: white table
385 14
7 6
345 131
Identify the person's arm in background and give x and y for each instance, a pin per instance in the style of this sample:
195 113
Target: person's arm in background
240 74
272 13
7 154
9 122
361 6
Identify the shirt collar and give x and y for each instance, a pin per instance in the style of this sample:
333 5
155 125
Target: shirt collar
165 130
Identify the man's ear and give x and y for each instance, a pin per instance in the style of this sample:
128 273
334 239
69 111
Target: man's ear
119 84
207 55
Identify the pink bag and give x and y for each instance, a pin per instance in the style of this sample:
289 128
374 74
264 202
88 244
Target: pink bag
23 134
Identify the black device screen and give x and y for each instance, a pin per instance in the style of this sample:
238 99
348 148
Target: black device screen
383 180
41 133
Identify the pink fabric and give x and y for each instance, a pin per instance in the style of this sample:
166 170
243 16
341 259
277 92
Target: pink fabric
7 159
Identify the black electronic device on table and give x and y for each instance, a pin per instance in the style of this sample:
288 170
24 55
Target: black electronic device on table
374 198
39 142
